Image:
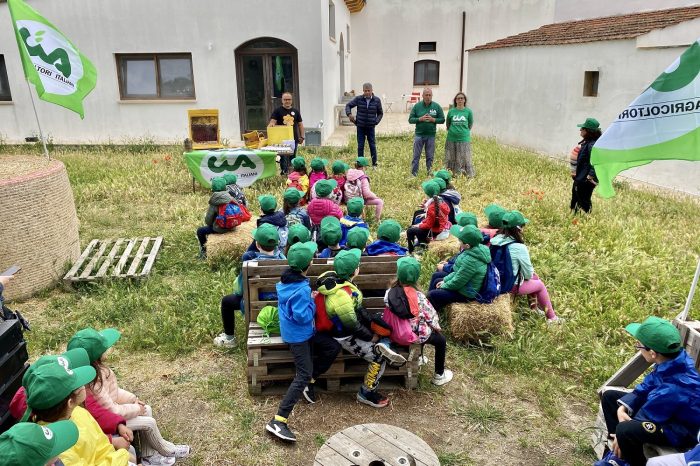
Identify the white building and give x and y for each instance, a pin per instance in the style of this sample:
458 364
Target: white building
532 88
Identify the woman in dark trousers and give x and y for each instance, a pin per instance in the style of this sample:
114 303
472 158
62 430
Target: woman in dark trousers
585 180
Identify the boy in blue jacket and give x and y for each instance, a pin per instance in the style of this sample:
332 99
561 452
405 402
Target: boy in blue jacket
389 232
353 219
662 410
296 313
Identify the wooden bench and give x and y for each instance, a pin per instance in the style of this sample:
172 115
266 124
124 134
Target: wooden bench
631 371
270 363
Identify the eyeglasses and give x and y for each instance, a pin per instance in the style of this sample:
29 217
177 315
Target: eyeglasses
642 347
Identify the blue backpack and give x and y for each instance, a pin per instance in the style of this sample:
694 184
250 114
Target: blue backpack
500 258
491 288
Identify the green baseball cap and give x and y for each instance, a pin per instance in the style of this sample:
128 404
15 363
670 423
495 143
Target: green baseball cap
76 357
298 233
331 231
590 123
494 213
94 342
357 237
268 203
468 235
218 184
657 334
441 183
293 195
430 188
298 163
362 162
514 218
408 270
355 206
267 235
54 381
466 218
30 444
318 164
444 174
325 187
346 262
389 230
230 178
300 255
340 167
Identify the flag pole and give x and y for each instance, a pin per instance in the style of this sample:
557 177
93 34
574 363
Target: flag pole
41 134
693 286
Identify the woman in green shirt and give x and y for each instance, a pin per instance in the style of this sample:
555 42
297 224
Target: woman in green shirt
458 149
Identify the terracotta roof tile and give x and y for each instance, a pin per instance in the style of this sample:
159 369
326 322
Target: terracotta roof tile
597 29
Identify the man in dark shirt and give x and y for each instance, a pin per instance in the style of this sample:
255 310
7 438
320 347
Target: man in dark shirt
288 116
369 114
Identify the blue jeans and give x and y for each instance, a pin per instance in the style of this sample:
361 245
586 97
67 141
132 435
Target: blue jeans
202 233
440 298
418 143
362 132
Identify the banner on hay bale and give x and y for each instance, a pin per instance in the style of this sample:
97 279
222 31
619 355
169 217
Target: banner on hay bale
248 165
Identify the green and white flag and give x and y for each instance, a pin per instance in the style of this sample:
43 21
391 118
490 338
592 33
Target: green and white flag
61 74
663 123
248 165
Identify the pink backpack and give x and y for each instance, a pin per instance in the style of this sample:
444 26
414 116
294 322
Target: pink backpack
352 189
401 330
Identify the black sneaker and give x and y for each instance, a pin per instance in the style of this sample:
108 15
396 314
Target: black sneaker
372 398
281 430
309 393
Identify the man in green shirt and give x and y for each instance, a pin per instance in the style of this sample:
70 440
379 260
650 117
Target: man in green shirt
426 114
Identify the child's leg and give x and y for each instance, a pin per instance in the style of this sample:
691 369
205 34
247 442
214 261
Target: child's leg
378 206
374 372
536 286
202 233
437 276
440 343
360 348
325 350
440 298
229 305
151 440
304 367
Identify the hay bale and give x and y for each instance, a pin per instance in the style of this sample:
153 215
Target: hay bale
231 245
445 248
475 323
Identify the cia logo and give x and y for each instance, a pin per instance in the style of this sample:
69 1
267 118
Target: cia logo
63 362
47 433
649 427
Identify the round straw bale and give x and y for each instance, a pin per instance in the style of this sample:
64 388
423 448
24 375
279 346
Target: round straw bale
473 322
444 248
231 245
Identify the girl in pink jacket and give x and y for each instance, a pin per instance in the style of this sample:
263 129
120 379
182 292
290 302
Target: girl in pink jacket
358 182
154 449
318 172
322 206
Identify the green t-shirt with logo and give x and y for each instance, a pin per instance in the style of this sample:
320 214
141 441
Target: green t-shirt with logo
426 128
460 121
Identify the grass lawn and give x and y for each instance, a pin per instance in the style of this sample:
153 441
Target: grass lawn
528 400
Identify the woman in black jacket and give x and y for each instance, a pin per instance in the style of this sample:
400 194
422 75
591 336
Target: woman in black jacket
585 180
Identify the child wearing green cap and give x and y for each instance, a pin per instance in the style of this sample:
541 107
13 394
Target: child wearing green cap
353 325
219 196
358 185
525 280
322 205
662 410
408 303
330 236
340 168
449 194
297 234
105 388
299 179
353 219
467 276
296 312
494 215
292 209
318 172
357 239
29 444
270 214
585 179
389 232
443 268
436 218
266 239
234 190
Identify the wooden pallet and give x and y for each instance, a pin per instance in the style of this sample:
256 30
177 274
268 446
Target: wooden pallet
115 258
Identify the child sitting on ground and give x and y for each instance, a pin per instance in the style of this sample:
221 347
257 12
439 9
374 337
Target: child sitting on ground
435 221
29 444
340 168
352 324
296 310
330 235
353 219
413 309
664 409
219 197
266 239
299 179
494 214
389 232
322 206
105 389
292 210
298 233
318 172
357 185
234 190
357 239
270 214
468 272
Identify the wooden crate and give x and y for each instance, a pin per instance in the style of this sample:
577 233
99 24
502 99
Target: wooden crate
127 258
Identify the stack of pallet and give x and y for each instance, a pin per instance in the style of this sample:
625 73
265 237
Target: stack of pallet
270 364
13 364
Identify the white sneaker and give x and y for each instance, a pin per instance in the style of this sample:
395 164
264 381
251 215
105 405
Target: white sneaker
443 235
423 360
223 339
555 320
442 379
157 460
182 451
390 355
538 311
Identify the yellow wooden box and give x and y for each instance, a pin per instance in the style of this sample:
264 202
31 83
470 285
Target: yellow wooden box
204 128
277 134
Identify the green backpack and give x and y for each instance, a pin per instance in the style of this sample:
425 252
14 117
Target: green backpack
269 320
